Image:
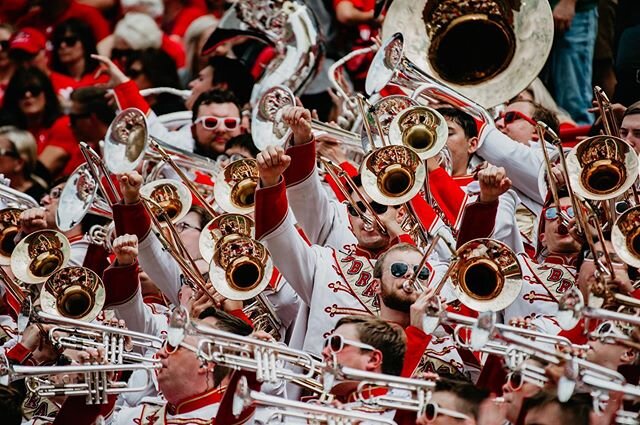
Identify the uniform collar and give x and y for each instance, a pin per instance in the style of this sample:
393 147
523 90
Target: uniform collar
565 260
197 402
373 254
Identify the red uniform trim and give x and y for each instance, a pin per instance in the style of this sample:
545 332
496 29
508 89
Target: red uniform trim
448 194
121 283
478 221
196 402
239 313
303 163
128 96
350 170
132 219
417 342
19 354
271 208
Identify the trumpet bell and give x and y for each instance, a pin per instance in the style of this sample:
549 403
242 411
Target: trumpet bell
241 268
266 127
511 39
487 276
234 189
625 236
126 141
170 195
392 175
73 292
39 255
602 167
220 227
420 128
9 227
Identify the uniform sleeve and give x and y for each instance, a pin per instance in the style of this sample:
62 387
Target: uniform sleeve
522 163
417 342
161 267
448 194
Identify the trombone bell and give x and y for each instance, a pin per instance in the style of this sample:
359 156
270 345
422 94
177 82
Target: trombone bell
39 255
420 128
73 292
170 195
9 220
234 189
127 138
220 227
625 236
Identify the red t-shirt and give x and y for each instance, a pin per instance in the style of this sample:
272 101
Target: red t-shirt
183 20
60 135
89 80
173 49
88 14
62 83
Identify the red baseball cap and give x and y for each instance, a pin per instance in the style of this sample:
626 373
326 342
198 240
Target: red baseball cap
28 39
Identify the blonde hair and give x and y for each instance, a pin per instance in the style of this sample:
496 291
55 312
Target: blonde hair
24 144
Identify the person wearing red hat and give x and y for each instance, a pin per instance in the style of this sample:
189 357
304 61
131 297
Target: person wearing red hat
27 47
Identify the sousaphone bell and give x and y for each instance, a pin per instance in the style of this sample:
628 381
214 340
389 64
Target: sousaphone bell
9 227
625 236
39 255
170 195
225 225
73 292
602 168
486 275
234 188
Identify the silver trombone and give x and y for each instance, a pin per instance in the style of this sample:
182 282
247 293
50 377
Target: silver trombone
117 343
97 383
267 359
314 413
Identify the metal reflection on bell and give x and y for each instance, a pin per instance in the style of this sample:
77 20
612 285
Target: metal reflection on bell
420 128
625 236
220 227
602 167
9 227
384 110
235 187
392 175
39 255
171 195
241 268
73 292
126 139
266 126
76 198
487 275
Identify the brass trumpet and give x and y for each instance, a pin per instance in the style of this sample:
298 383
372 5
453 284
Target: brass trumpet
73 292
39 255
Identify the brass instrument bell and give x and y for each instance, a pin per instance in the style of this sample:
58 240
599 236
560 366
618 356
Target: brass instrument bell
234 188
625 236
171 195
39 255
602 167
486 275
420 128
9 227
383 111
220 227
73 292
241 267
266 126
392 175
126 139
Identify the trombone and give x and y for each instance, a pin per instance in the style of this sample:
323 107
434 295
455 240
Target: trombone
311 412
73 292
39 255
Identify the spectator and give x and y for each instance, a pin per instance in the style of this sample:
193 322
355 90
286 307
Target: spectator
569 67
225 74
48 14
18 156
6 66
27 48
90 115
194 39
630 128
31 104
137 32
216 119
73 44
143 71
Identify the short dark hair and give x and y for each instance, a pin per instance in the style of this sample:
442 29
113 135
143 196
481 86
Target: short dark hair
381 335
243 141
403 247
11 404
464 120
205 217
153 60
93 101
575 411
633 109
469 397
227 323
233 73
87 38
214 96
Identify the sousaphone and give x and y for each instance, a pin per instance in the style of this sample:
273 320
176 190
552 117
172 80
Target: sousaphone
487 50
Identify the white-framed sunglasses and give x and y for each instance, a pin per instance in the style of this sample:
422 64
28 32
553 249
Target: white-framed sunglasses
432 410
336 343
211 122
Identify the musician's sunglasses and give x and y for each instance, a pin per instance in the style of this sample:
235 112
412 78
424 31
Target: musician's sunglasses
336 343
432 410
512 116
551 213
514 381
211 122
376 207
400 269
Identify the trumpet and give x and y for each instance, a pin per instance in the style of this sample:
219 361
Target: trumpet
118 344
314 413
96 384
267 359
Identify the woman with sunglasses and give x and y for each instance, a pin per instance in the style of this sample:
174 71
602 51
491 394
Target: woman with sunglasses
73 44
31 104
18 161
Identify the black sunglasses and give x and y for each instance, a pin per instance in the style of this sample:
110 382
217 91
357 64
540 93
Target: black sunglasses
515 381
376 207
400 269
9 152
34 90
119 53
69 40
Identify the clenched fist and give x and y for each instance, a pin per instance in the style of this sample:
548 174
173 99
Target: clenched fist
272 162
125 248
130 184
